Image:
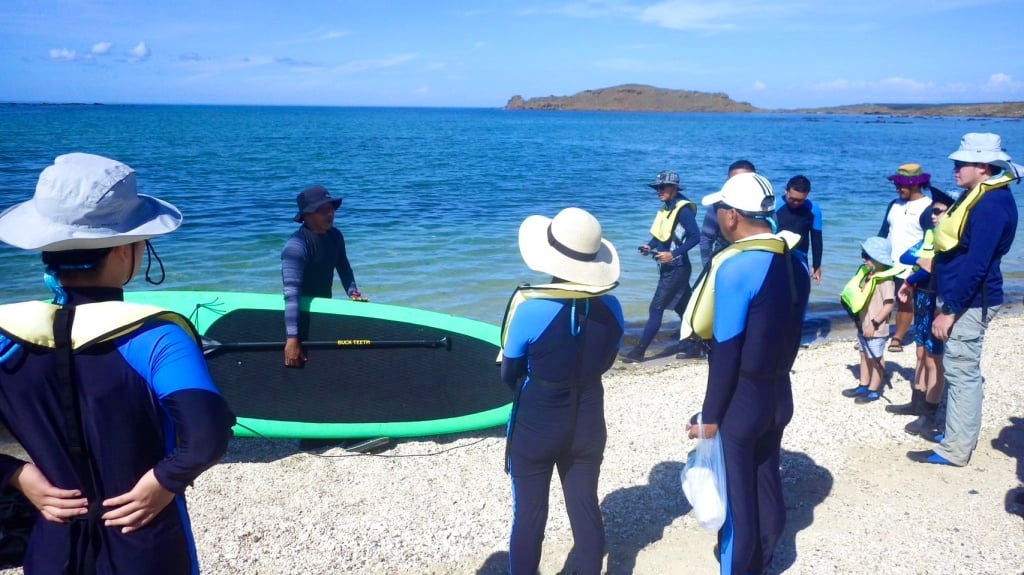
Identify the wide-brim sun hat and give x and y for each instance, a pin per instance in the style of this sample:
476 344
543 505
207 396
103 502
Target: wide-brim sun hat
748 192
570 247
85 201
878 249
986 148
910 175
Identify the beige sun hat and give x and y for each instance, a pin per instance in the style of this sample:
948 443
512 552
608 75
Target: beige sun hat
85 201
570 247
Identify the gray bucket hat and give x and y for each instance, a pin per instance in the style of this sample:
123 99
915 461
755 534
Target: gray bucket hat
986 148
878 249
85 201
666 178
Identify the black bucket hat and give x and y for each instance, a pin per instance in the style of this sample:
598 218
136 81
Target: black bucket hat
310 200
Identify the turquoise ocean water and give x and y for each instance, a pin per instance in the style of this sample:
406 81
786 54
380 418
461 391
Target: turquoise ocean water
434 197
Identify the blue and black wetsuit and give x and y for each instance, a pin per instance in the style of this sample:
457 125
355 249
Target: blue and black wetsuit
308 263
147 402
805 221
673 277
760 298
558 419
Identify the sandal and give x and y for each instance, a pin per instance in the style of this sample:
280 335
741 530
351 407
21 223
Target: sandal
895 346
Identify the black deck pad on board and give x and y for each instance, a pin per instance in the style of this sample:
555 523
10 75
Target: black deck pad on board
353 385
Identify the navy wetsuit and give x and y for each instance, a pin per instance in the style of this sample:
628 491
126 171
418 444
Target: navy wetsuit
760 298
805 221
308 263
147 403
558 420
673 277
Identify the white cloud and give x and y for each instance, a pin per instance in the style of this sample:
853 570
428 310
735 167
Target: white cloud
1000 82
139 53
367 65
906 84
421 90
62 55
693 15
101 48
759 85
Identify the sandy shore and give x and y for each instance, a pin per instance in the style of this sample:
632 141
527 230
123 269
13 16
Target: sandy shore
442 505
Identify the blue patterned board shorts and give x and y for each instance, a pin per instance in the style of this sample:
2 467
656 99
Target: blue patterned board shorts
924 310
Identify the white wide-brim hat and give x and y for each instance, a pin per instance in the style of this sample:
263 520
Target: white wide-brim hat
986 148
84 201
570 247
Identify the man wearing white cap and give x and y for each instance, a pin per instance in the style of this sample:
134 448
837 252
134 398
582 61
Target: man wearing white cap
112 401
755 297
970 240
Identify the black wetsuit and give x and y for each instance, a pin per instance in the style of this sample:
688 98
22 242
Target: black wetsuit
308 263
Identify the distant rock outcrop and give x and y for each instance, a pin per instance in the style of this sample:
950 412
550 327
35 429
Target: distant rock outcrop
641 98
634 98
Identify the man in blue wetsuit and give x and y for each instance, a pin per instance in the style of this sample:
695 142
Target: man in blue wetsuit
758 305
673 233
119 418
561 339
971 239
802 217
309 260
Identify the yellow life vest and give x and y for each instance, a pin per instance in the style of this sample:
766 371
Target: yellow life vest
665 219
562 290
950 227
31 322
700 311
857 292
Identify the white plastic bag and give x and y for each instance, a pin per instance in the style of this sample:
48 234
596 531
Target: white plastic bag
703 480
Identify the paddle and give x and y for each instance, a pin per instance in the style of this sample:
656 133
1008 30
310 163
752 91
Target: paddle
211 347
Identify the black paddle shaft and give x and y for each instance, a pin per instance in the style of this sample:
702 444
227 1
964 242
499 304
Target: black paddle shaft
211 347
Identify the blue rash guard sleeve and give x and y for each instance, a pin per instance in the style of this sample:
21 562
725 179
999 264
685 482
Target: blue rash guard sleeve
816 237
737 281
883 232
709 234
293 261
197 421
528 323
688 219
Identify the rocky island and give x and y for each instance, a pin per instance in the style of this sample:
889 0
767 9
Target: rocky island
641 98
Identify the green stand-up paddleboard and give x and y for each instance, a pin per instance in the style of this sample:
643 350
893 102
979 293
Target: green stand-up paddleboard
374 370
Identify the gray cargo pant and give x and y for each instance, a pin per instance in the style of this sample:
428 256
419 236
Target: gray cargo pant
963 393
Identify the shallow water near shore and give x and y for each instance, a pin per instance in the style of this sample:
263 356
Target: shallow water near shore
434 197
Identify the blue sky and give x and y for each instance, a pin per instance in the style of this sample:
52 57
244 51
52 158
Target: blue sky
771 53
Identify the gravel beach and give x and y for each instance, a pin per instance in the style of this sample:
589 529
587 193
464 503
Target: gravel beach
855 503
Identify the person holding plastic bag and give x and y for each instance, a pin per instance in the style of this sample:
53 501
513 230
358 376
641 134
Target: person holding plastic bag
756 300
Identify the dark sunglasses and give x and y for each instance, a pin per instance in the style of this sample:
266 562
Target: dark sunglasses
721 206
938 211
957 164
666 186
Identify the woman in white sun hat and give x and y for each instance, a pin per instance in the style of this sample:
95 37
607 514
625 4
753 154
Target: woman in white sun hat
558 341
112 401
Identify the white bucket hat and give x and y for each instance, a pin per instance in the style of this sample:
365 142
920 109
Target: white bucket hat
747 192
986 148
569 247
84 201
